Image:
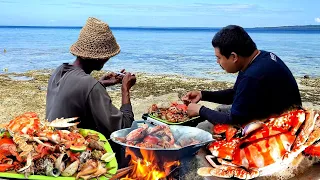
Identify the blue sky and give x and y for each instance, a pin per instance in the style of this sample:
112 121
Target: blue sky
161 13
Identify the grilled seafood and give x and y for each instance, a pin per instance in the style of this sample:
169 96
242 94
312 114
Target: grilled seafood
8 148
45 166
154 137
265 147
29 146
174 113
137 133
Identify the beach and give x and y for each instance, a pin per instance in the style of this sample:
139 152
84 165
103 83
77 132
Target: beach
24 92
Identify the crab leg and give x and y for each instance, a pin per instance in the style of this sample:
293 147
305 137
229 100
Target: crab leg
227 171
61 123
204 171
307 128
306 138
36 139
22 144
224 162
314 149
28 164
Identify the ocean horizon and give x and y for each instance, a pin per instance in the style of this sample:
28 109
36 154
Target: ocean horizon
305 28
157 50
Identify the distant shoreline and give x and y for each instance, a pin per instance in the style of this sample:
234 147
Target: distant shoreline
308 28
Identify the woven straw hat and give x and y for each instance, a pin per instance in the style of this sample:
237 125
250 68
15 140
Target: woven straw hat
95 41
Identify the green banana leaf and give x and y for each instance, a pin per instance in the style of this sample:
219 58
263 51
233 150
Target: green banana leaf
172 123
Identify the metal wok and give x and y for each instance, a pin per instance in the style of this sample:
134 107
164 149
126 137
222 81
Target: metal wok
168 154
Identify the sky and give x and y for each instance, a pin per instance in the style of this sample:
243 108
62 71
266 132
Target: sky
161 13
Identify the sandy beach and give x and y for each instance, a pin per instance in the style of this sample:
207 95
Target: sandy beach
25 92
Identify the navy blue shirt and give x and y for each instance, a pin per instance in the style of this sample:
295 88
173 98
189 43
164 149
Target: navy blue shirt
265 88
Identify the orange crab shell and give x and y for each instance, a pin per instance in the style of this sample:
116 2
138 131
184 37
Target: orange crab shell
7 148
182 107
27 123
263 152
224 149
225 128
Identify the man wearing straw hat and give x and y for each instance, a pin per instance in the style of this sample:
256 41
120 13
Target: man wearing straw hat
72 92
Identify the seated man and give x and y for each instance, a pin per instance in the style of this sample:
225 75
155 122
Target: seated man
72 92
264 86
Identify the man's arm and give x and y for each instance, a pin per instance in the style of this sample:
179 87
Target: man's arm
220 97
220 117
126 109
107 117
244 106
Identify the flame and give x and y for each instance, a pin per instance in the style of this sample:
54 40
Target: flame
147 168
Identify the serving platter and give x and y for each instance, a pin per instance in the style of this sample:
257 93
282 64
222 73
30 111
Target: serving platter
194 121
112 164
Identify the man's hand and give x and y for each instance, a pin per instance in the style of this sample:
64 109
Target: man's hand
192 97
193 109
128 81
111 78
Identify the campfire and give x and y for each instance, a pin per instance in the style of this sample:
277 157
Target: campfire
149 167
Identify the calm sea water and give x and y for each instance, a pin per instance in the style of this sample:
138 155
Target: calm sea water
160 51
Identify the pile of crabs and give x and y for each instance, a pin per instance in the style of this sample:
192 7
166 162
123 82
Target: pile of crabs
262 148
174 113
159 136
29 146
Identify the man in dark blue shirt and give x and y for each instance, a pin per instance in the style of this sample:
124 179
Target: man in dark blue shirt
265 86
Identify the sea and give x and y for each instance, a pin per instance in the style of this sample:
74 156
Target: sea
174 51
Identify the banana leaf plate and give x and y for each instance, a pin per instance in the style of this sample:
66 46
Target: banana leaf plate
190 122
84 132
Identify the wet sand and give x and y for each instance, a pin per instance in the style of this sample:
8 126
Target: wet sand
24 92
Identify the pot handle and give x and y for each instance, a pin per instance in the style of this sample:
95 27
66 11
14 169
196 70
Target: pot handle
202 144
198 145
135 124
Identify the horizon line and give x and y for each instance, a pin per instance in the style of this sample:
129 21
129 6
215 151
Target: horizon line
174 27
287 29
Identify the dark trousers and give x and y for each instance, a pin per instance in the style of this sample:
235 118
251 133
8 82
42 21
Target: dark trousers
120 155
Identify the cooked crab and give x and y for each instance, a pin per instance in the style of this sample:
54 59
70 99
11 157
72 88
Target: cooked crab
150 137
263 148
173 113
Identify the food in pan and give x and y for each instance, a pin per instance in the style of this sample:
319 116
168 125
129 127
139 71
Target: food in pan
154 137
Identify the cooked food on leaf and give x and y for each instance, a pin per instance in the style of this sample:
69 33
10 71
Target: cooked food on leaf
29 146
173 113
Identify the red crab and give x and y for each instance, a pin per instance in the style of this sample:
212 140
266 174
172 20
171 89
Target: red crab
264 147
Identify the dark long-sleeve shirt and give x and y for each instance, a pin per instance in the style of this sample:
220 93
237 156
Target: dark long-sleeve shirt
265 88
73 93
220 97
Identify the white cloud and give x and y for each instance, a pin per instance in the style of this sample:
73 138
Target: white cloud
317 19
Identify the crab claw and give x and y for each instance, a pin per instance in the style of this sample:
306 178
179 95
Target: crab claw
61 123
